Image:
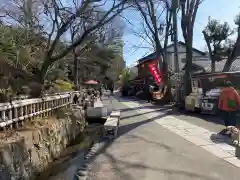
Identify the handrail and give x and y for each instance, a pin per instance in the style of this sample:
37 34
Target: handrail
20 110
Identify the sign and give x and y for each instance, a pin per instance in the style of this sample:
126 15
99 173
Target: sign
155 73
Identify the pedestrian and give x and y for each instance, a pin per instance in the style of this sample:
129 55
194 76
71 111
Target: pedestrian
100 92
111 89
228 104
150 93
75 99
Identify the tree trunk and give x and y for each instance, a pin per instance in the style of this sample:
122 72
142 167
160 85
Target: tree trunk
213 65
187 75
233 56
37 88
75 70
228 64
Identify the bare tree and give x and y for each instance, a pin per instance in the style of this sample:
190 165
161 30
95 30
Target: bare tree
156 15
104 36
189 10
234 50
216 35
55 18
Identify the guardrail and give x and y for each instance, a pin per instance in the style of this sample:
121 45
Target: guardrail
20 110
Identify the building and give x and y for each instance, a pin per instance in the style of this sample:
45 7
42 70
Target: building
142 66
197 55
117 45
205 63
151 58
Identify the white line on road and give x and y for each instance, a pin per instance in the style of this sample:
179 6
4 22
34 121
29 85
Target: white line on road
195 134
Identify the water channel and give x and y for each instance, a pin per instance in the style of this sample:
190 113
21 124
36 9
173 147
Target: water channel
66 165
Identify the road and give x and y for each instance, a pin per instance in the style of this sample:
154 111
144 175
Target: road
158 143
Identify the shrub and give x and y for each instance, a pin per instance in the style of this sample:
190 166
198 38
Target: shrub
63 85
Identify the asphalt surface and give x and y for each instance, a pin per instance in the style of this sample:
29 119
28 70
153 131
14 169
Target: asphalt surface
144 150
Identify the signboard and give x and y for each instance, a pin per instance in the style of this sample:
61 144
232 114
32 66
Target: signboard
155 73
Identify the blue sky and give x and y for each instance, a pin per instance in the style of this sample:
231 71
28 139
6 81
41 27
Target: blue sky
222 10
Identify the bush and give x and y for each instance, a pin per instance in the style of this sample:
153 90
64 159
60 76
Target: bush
63 85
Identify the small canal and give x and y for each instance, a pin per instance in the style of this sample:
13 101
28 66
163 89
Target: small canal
66 165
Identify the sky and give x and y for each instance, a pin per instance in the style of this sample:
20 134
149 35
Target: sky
222 10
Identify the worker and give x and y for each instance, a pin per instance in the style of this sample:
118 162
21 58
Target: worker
228 104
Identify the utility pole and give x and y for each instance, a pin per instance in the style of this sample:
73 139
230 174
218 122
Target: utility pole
175 35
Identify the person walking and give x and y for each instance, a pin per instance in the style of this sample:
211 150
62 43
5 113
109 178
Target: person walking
150 93
75 99
100 92
228 104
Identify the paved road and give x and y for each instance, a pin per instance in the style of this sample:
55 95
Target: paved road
152 145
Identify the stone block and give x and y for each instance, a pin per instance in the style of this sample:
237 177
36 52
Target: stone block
111 123
96 112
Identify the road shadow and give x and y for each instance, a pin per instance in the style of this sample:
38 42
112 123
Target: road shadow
208 118
161 145
120 166
220 139
143 107
140 114
124 129
215 119
129 127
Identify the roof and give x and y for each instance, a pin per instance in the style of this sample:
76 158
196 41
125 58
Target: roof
219 65
153 55
215 74
184 44
147 58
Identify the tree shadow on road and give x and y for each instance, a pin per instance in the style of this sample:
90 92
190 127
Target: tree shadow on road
142 107
124 129
206 117
140 114
116 163
121 167
177 112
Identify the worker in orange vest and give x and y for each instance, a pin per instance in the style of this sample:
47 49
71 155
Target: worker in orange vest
229 104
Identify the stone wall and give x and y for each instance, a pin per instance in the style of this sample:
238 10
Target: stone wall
29 150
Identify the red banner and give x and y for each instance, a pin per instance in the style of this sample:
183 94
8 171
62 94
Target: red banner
155 73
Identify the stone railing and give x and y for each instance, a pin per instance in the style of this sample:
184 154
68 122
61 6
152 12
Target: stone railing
20 110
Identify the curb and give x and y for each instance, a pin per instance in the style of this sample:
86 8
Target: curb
83 170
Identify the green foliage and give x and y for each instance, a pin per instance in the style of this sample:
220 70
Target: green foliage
216 35
20 50
25 50
63 85
125 76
